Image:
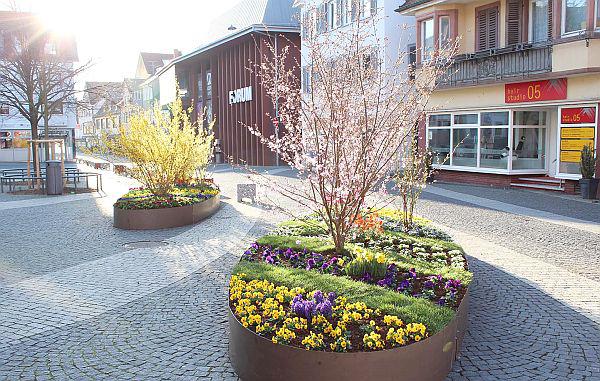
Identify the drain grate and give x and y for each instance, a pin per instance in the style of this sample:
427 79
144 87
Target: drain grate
143 245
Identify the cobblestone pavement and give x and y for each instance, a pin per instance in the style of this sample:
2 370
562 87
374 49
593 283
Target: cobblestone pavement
100 310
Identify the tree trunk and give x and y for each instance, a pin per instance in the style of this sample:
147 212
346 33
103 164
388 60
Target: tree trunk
46 134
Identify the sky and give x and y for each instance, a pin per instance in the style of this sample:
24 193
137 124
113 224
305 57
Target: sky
112 32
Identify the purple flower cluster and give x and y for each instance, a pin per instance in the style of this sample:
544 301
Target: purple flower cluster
320 305
390 276
297 259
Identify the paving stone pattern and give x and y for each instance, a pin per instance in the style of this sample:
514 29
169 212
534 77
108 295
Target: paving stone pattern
164 318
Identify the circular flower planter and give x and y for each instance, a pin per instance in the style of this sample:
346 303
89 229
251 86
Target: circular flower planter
148 219
257 358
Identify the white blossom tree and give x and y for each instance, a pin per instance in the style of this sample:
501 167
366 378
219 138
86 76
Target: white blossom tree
343 131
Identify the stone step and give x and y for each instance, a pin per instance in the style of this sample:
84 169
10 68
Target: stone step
557 188
550 180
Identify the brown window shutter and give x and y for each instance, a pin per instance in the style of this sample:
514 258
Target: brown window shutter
493 19
482 30
514 14
487 28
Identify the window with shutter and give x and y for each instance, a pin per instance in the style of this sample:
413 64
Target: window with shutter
487 28
514 21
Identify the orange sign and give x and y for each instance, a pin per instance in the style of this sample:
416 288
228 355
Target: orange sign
570 156
575 145
577 133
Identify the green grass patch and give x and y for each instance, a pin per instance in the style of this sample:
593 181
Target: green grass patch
305 227
315 244
427 242
406 307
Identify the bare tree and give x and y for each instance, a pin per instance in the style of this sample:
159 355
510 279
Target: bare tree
344 133
36 77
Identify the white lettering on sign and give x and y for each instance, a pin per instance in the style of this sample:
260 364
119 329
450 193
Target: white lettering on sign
240 95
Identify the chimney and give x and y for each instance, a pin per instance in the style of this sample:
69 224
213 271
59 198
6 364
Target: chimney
176 53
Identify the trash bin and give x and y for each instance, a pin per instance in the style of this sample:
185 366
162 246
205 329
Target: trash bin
54 181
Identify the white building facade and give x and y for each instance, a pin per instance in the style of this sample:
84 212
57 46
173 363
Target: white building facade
392 42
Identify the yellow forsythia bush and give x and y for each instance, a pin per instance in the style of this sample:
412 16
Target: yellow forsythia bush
164 147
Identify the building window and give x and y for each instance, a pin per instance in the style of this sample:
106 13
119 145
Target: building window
330 15
438 141
50 48
4 109
412 61
427 39
575 16
306 80
373 7
597 14
487 27
57 109
540 21
443 31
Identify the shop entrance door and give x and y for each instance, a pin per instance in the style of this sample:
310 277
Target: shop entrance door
530 140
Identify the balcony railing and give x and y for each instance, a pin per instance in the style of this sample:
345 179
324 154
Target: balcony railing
518 61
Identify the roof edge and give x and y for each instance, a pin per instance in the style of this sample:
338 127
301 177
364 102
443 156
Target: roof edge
225 39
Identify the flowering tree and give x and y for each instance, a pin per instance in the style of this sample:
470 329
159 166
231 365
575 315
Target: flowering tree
343 131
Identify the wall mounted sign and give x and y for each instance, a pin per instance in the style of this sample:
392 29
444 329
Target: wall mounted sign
536 91
240 95
578 115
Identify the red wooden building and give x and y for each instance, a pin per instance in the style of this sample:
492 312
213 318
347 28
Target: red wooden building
217 78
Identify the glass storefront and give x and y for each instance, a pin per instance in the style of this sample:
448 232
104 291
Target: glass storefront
495 141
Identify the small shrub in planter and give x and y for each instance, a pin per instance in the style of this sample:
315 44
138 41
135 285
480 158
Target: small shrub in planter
588 184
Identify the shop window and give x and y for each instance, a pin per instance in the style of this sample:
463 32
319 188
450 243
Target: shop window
529 148
427 39
494 118
438 141
494 149
466 119
464 143
486 22
441 120
575 16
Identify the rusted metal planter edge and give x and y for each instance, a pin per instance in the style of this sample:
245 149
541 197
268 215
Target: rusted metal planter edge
151 219
256 358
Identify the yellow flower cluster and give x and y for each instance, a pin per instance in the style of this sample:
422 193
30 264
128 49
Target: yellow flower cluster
373 341
264 308
314 341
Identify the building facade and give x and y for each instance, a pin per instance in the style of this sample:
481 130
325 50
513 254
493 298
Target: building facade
392 43
216 78
15 129
520 100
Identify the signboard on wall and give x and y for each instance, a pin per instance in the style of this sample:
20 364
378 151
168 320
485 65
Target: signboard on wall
578 115
536 91
240 95
577 130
